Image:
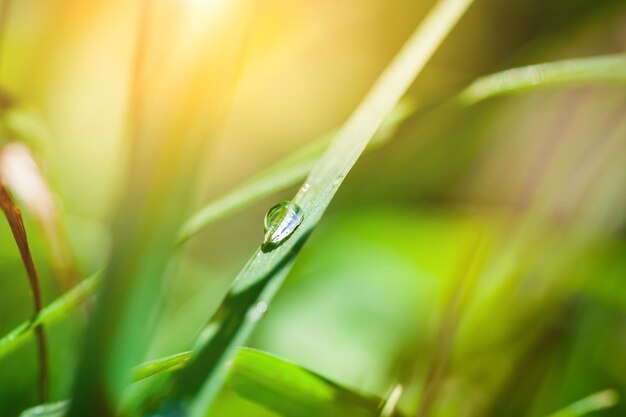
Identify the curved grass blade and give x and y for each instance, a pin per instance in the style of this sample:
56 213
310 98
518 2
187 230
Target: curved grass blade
292 391
609 69
196 385
598 401
57 310
16 223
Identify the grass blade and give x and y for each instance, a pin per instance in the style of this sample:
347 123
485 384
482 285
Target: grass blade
289 390
602 70
57 310
16 223
161 365
598 401
197 384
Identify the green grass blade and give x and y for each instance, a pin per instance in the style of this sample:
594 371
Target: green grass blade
603 69
197 384
598 401
292 391
57 310
161 365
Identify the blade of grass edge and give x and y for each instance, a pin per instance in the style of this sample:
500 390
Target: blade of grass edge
197 385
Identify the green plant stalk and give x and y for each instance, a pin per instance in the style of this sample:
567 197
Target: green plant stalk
196 386
296 166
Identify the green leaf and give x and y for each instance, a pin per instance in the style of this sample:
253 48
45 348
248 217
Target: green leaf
608 69
598 401
197 385
292 391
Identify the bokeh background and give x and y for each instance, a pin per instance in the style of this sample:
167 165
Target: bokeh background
480 254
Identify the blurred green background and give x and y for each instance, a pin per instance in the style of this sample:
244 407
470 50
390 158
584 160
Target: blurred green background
479 257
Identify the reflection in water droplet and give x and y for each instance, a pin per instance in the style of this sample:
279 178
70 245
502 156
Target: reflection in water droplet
257 312
303 190
280 222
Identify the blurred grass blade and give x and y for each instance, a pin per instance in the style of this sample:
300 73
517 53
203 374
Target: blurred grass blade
598 401
16 223
604 69
26 181
57 310
197 384
57 409
166 155
161 365
291 391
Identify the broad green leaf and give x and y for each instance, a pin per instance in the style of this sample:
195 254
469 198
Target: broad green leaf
598 401
292 391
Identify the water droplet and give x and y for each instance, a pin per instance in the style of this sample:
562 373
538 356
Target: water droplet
303 190
280 222
257 312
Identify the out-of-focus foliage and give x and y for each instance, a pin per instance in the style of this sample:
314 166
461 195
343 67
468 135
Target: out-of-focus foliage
476 258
